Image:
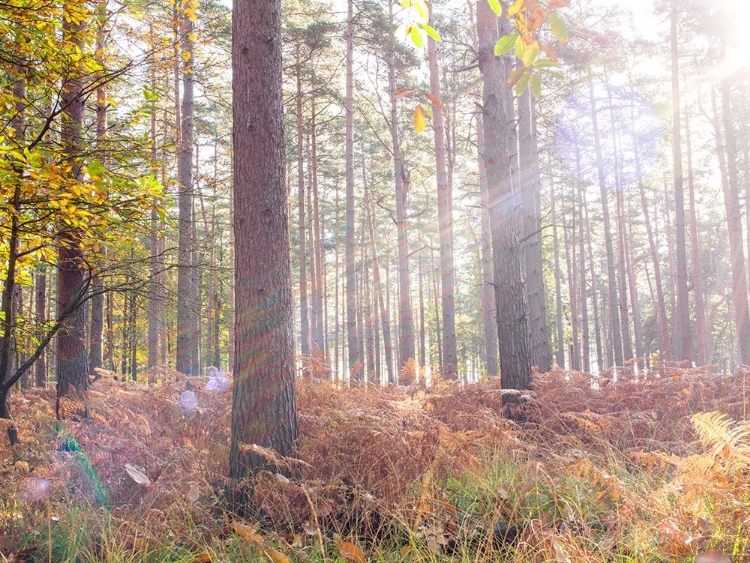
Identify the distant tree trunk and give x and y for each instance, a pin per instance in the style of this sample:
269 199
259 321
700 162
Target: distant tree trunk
614 316
405 318
734 220
570 259
384 312
336 307
445 220
594 278
560 343
585 339
665 343
263 400
700 310
351 279
438 333
515 360
489 319
531 194
72 360
153 294
97 301
680 320
422 338
302 251
318 332
187 339
40 291
633 288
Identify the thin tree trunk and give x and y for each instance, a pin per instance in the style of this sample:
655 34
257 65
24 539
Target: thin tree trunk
302 251
187 339
560 351
680 320
40 291
734 221
592 273
445 219
612 282
351 280
531 186
489 319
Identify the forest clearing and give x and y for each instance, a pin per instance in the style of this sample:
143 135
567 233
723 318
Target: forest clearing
374 280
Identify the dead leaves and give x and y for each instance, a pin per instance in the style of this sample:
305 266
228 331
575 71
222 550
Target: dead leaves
251 535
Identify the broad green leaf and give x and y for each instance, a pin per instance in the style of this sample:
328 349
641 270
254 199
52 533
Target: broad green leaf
496 7
505 44
559 28
530 54
522 83
536 85
430 31
545 63
520 47
416 37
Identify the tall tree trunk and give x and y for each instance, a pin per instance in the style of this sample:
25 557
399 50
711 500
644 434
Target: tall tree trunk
318 339
531 194
570 259
187 339
697 271
515 360
263 400
40 292
560 341
681 318
153 294
72 360
734 220
585 340
614 316
351 280
592 273
304 310
405 318
489 319
445 219
97 301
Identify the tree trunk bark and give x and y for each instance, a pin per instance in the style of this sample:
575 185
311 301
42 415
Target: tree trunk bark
302 251
680 320
263 400
187 339
515 360
445 219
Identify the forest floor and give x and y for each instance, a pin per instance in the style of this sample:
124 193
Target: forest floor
618 471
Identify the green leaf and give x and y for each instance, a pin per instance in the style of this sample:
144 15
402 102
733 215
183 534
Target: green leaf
505 44
496 7
430 31
559 28
522 83
530 54
536 85
520 47
416 37
545 63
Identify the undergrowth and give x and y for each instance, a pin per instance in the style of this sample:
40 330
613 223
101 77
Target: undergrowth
579 470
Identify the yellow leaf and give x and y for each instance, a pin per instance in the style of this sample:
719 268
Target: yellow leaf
405 3
248 533
275 556
352 552
515 8
186 56
422 10
419 119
